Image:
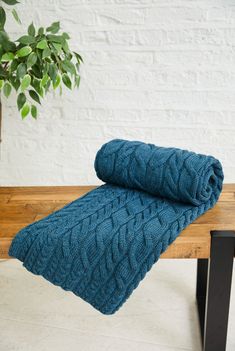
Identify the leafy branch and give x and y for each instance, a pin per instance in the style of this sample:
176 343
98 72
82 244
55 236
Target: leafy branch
35 63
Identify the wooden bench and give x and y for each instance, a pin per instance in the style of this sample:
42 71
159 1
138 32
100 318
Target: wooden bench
210 240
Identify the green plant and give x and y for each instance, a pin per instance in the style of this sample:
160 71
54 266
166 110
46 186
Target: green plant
35 62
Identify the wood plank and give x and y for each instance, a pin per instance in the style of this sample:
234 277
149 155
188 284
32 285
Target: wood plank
222 213
20 206
229 187
30 192
59 194
4 198
9 231
4 248
228 196
191 248
45 189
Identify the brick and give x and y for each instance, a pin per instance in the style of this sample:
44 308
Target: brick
120 16
196 58
116 58
153 79
94 37
112 78
124 37
219 79
175 15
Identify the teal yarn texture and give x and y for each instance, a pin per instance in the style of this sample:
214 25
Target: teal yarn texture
101 245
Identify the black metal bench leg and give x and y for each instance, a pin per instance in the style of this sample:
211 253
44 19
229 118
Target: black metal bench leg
202 272
214 278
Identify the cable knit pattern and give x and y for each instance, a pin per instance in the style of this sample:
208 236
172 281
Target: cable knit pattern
101 246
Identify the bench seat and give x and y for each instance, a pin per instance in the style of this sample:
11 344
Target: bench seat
20 206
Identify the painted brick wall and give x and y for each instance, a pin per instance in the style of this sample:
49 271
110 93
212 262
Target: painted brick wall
161 71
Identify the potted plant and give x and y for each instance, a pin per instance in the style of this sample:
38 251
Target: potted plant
35 63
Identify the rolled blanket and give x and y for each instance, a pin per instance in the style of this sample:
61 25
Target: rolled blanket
101 245
171 173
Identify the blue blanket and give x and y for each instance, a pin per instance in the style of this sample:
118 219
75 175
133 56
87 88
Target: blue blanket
101 245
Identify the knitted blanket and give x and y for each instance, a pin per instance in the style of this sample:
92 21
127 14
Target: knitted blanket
101 245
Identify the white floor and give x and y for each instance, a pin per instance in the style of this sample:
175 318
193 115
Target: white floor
159 316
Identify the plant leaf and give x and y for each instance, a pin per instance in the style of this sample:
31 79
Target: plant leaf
46 53
47 85
15 83
36 84
2 18
1 83
78 57
6 44
21 70
32 59
54 28
34 96
7 89
66 80
56 38
25 82
25 111
66 48
37 71
57 81
21 100
14 65
52 71
46 67
41 31
26 39
11 2
8 56
65 36
57 46
31 30
44 80
25 51
42 44
77 81
34 111
16 16
3 73
78 67
68 66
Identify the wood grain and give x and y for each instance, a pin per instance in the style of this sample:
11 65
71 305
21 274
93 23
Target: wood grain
20 206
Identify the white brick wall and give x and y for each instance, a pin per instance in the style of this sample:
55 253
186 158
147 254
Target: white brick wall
161 71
